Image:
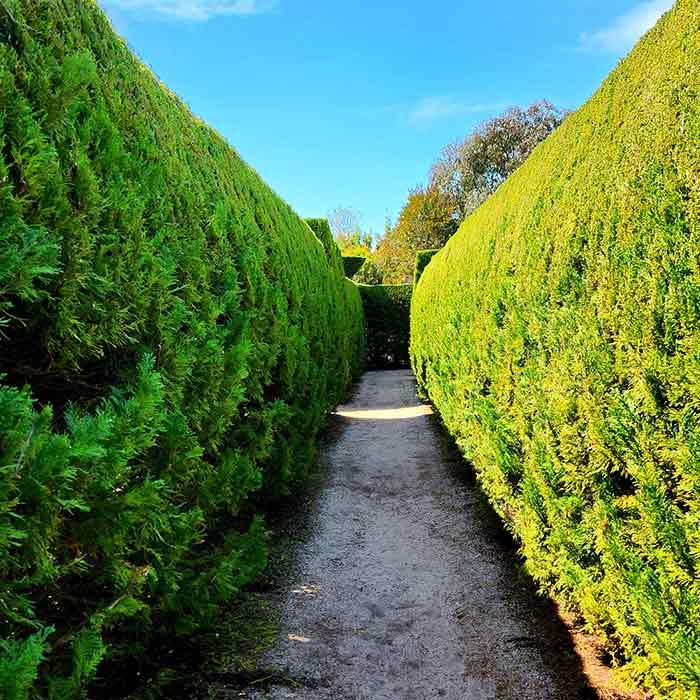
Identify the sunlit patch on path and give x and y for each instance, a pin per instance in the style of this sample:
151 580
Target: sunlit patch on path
386 413
405 589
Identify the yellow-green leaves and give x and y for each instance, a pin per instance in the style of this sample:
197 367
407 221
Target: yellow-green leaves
558 332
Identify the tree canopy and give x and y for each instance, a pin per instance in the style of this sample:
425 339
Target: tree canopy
464 176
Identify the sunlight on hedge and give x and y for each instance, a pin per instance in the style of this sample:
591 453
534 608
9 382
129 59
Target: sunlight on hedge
558 334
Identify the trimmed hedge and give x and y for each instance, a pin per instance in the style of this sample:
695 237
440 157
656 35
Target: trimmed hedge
322 231
423 257
172 337
387 309
558 334
356 333
352 264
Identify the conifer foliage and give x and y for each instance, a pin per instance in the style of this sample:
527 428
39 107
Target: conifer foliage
171 337
558 334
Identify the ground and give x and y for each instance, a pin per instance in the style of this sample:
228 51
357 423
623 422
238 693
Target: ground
406 587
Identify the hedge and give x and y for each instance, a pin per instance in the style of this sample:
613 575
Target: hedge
423 257
352 264
387 310
171 337
558 334
322 231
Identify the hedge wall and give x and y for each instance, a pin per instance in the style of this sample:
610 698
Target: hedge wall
558 334
322 231
387 310
352 265
423 257
171 338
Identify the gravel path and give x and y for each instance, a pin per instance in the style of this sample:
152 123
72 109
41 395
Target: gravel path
407 589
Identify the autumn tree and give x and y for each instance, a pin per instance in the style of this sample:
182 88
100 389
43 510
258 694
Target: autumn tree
427 220
466 174
469 171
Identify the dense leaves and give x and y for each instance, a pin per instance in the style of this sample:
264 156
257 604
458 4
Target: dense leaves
171 338
427 220
470 170
369 273
558 334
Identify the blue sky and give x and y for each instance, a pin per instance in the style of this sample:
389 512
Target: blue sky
348 103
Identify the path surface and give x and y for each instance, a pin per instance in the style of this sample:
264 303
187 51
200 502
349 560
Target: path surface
407 589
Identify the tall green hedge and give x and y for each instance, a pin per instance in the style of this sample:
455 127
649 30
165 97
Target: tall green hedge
387 309
171 338
322 231
558 334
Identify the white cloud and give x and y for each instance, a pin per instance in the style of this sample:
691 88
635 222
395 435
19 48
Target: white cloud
432 109
624 31
195 9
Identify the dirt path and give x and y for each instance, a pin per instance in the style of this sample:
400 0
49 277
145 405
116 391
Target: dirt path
407 588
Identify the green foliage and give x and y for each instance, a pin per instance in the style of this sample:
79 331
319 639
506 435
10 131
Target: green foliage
19 662
172 336
348 234
369 273
423 257
558 334
471 170
355 244
352 265
387 310
427 220
322 231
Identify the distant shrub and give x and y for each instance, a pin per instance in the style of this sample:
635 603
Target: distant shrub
352 264
558 334
423 257
172 336
387 310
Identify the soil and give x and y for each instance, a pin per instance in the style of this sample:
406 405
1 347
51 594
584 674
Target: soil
406 586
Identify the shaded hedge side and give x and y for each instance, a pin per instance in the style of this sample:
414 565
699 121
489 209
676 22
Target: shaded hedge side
352 264
423 257
171 338
354 342
558 334
387 309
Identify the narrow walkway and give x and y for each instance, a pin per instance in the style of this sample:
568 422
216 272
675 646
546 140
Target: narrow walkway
407 589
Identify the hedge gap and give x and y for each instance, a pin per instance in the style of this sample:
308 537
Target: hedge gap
423 257
387 309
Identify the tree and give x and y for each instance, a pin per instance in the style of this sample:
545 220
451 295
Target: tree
427 220
347 231
465 175
344 221
469 171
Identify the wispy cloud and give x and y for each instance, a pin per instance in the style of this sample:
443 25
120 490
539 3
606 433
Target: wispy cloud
432 109
624 31
198 10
